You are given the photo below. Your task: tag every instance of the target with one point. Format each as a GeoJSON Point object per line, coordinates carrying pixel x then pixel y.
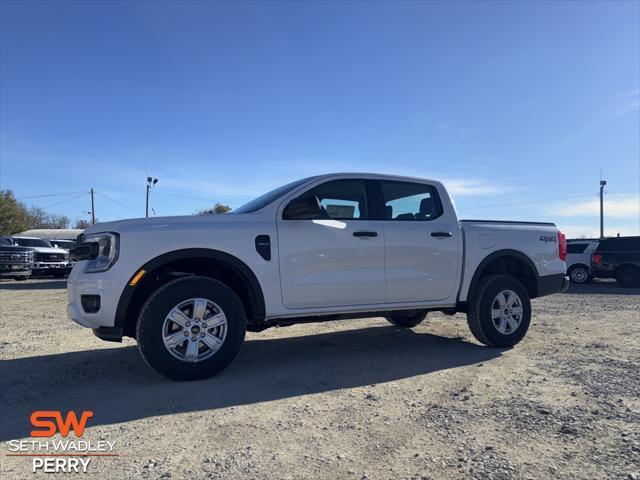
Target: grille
{"type": "Point", "coordinates": [16, 257]}
{"type": "Point", "coordinates": [50, 257]}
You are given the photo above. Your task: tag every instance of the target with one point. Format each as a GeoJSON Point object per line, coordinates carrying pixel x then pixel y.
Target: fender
{"type": "Point", "coordinates": [499, 254]}
{"type": "Point", "coordinates": [257, 298]}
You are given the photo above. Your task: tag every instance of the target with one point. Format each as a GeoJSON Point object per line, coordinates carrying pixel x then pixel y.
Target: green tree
{"type": "Point", "coordinates": [218, 208]}
{"type": "Point", "coordinates": [13, 214]}
{"type": "Point", "coordinates": [15, 217]}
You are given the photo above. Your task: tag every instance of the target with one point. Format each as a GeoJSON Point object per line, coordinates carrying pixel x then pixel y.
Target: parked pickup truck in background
{"type": "Point", "coordinates": [619, 258]}
{"type": "Point", "coordinates": [15, 262]}
{"type": "Point", "coordinates": [321, 248]}
{"type": "Point", "coordinates": [47, 260]}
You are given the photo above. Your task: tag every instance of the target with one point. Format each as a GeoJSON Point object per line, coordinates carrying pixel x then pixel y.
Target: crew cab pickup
{"type": "Point", "coordinates": [47, 260]}
{"type": "Point", "coordinates": [321, 248]}
{"type": "Point", "coordinates": [15, 262]}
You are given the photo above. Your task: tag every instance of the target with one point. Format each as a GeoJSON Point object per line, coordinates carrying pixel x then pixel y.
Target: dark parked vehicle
{"type": "Point", "coordinates": [15, 262]}
{"type": "Point", "coordinates": [618, 258]}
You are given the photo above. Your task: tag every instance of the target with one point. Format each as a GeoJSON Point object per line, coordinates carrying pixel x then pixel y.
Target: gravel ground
{"type": "Point", "coordinates": [356, 399]}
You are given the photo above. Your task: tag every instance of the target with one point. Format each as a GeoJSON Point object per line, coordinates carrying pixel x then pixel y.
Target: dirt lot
{"type": "Point", "coordinates": [355, 399]}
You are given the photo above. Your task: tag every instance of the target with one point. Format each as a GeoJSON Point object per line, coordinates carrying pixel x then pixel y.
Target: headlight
{"type": "Point", "coordinates": [104, 252]}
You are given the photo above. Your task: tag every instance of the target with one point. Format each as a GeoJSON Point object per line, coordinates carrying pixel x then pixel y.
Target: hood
{"type": "Point", "coordinates": [15, 248]}
{"type": "Point", "coordinates": [167, 223]}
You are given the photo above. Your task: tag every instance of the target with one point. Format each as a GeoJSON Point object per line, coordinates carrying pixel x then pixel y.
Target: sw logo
{"type": "Point", "coordinates": [50, 421]}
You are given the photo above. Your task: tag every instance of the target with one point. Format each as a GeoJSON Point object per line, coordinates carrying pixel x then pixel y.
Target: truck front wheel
{"type": "Point", "coordinates": [500, 311]}
{"type": "Point", "coordinates": [191, 328]}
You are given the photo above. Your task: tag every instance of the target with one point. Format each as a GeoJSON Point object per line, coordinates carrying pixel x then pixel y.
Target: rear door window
{"type": "Point", "coordinates": [408, 201]}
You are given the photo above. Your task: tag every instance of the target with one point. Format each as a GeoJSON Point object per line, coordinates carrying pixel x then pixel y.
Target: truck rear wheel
{"type": "Point", "coordinates": [628, 276]}
{"type": "Point", "coordinates": [191, 328]}
{"type": "Point", "coordinates": [500, 311]}
{"type": "Point", "coordinates": [407, 321]}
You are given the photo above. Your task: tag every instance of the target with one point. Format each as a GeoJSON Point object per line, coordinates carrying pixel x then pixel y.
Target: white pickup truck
{"type": "Point", "coordinates": [322, 248]}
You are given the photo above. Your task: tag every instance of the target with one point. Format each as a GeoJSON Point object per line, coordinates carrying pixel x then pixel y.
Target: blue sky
{"type": "Point", "coordinates": [515, 105]}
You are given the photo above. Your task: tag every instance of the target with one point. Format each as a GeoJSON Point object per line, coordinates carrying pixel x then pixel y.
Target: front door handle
{"type": "Point", "coordinates": [365, 234]}
{"type": "Point", "coordinates": [441, 234]}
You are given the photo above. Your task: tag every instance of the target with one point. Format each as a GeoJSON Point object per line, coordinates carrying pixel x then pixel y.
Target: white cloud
{"type": "Point", "coordinates": [470, 187]}
{"type": "Point", "coordinates": [615, 206]}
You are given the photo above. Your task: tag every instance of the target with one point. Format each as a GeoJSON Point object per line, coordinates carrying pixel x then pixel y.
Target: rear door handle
{"type": "Point", "coordinates": [365, 234]}
{"type": "Point", "coordinates": [441, 234]}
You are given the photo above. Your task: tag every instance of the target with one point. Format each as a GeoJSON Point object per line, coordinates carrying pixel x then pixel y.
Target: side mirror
{"type": "Point", "coordinates": [306, 207]}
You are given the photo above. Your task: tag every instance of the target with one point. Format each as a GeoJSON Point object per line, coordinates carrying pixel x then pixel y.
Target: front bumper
{"type": "Point", "coordinates": [550, 284]}
{"type": "Point", "coordinates": [15, 272]}
{"type": "Point", "coordinates": [52, 266]}
{"type": "Point", "coordinates": [106, 285]}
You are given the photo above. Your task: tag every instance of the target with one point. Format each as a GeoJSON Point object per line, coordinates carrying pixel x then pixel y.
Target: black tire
{"type": "Point", "coordinates": [20, 278]}
{"type": "Point", "coordinates": [407, 321]}
{"type": "Point", "coordinates": [149, 329]}
{"type": "Point", "coordinates": [59, 274]}
{"type": "Point", "coordinates": [579, 274]}
{"type": "Point", "coordinates": [628, 276]}
{"type": "Point", "coordinates": [480, 319]}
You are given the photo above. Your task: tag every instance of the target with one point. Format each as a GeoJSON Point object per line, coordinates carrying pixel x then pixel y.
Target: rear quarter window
{"type": "Point", "coordinates": [576, 248]}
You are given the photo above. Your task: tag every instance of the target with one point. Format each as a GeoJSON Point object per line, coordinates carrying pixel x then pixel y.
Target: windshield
{"type": "Point", "coordinates": [32, 242]}
{"type": "Point", "coordinates": [267, 198]}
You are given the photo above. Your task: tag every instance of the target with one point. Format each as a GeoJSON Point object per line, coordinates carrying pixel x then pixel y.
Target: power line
{"type": "Point", "coordinates": [117, 202]}
{"type": "Point", "coordinates": [50, 195]}
{"type": "Point", "coordinates": [66, 201]}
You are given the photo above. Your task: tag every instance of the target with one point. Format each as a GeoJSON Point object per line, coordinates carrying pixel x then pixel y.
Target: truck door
{"type": "Point", "coordinates": [337, 258]}
{"type": "Point", "coordinates": [421, 243]}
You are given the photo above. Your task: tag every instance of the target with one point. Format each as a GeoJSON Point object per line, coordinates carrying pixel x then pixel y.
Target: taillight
{"type": "Point", "coordinates": [562, 246]}
{"type": "Point", "coordinates": [596, 258]}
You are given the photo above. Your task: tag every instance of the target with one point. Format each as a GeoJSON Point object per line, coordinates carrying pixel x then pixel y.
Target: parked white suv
{"type": "Point", "coordinates": [322, 248]}
{"type": "Point", "coordinates": [579, 259]}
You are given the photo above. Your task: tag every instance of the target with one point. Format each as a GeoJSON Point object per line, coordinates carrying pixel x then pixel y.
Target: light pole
{"type": "Point", "coordinates": [150, 183]}
{"type": "Point", "coordinates": [93, 209]}
{"type": "Point", "coordinates": [602, 184]}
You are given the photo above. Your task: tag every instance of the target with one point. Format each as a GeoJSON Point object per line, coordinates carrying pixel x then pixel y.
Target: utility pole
{"type": "Point", "coordinates": [93, 209]}
{"type": "Point", "coordinates": [150, 183]}
{"type": "Point", "coordinates": [602, 184]}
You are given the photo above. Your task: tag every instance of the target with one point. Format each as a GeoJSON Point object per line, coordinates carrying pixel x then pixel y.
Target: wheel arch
{"type": "Point", "coordinates": [191, 261]}
{"type": "Point", "coordinates": [627, 264]}
{"type": "Point", "coordinates": [510, 262]}
{"type": "Point", "coordinates": [578, 264]}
